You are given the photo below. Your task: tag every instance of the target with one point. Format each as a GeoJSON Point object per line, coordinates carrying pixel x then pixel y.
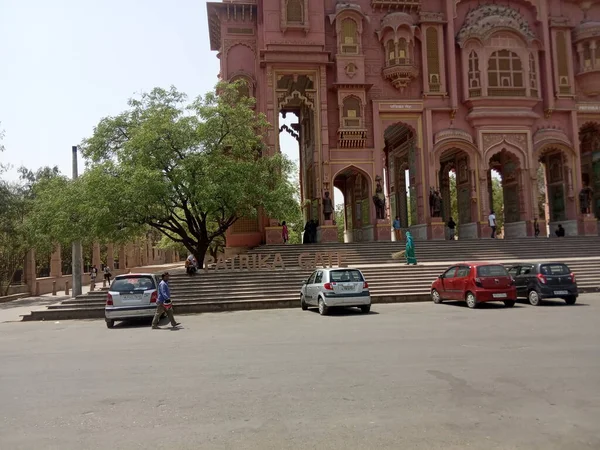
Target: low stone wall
{"type": "Point", "coordinates": [45, 285]}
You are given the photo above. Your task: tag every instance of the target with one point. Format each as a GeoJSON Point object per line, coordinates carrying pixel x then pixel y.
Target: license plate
{"type": "Point", "coordinates": [348, 288]}
{"type": "Point", "coordinates": [501, 295]}
{"type": "Point", "coordinates": [561, 292]}
{"type": "Point", "coordinates": [130, 298]}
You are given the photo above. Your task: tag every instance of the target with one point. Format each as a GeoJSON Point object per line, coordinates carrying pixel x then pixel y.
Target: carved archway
{"type": "Point", "coordinates": [511, 212]}
{"type": "Point", "coordinates": [457, 168]}
{"type": "Point", "coordinates": [589, 145]}
{"type": "Point", "coordinates": [401, 156]}
{"type": "Point", "coordinates": [356, 185]}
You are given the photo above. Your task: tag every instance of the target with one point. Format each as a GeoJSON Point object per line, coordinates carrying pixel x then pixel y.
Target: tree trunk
{"type": "Point", "coordinates": [199, 252]}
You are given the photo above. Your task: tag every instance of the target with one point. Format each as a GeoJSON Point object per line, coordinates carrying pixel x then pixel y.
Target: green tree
{"type": "Point", "coordinates": [340, 220]}
{"type": "Point", "coordinates": [453, 198]}
{"type": "Point", "coordinates": [187, 170]}
{"type": "Point", "coordinates": [498, 201]}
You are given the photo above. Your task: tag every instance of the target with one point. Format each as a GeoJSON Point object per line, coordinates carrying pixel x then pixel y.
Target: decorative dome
{"type": "Point", "coordinates": [484, 20]}
{"type": "Point", "coordinates": [345, 5]}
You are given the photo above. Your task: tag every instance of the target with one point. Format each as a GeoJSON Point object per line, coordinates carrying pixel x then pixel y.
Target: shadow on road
{"type": "Point", "coordinates": [29, 302]}
{"type": "Point", "coordinates": [544, 303]}
{"type": "Point", "coordinates": [485, 305]}
{"type": "Point", "coordinates": [343, 312]}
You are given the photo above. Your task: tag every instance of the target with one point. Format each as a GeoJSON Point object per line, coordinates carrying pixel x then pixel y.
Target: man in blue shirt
{"type": "Point", "coordinates": [397, 229]}
{"type": "Point", "coordinates": [163, 304]}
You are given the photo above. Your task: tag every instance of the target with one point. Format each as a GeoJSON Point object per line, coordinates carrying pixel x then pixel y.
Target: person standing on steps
{"type": "Point", "coordinates": [410, 250]}
{"type": "Point", "coordinates": [492, 221]}
{"type": "Point", "coordinates": [536, 227]}
{"type": "Point", "coordinates": [163, 304]}
{"type": "Point", "coordinates": [451, 227]}
{"type": "Point", "coordinates": [397, 229]}
{"type": "Point", "coordinates": [107, 274]}
{"type": "Point", "coordinates": [93, 275]}
{"type": "Point", "coordinates": [284, 232]}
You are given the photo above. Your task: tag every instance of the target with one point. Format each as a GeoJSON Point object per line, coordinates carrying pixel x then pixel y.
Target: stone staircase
{"type": "Point", "coordinates": [389, 280]}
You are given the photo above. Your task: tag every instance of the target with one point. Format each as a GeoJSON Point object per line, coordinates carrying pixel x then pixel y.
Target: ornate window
{"type": "Point", "coordinates": [533, 81]}
{"type": "Point", "coordinates": [351, 115]}
{"type": "Point", "coordinates": [587, 56]}
{"type": "Point", "coordinates": [403, 51]}
{"type": "Point", "coordinates": [349, 42]}
{"type": "Point", "coordinates": [564, 87]}
{"type": "Point", "coordinates": [294, 12]}
{"type": "Point", "coordinates": [474, 75]}
{"type": "Point", "coordinates": [505, 74]}
{"type": "Point", "coordinates": [391, 52]}
{"type": "Point", "coordinates": [433, 59]}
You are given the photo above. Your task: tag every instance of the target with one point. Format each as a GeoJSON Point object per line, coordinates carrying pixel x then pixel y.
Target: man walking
{"type": "Point", "coordinates": [452, 229]}
{"type": "Point", "coordinates": [163, 304]}
{"type": "Point", "coordinates": [492, 220]}
{"type": "Point", "coordinates": [397, 229]}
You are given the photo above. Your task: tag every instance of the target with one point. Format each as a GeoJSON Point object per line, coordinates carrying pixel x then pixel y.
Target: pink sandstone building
{"type": "Point", "coordinates": [392, 96]}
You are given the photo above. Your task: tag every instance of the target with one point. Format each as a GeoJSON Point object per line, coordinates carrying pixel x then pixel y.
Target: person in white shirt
{"type": "Point", "coordinates": [492, 220]}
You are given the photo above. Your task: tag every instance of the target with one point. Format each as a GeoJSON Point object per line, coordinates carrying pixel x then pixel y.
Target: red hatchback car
{"type": "Point", "coordinates": [475, 283]}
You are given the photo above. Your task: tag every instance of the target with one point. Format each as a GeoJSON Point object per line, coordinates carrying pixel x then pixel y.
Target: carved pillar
{"type": "Point", "coordinates": [110, 256]}
{"type": "Point", "coordinates": [56, 263]}
{"type": "Point", "coordinates": [96, 258]}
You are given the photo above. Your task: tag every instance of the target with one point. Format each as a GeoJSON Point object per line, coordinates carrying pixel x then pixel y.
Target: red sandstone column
{"type": "Point", "coordinates": [110, 256]}
{"type": "Point", "coordinates": [29, 271]}
{"type": "Point", "coordinates": [122, 257]}
{"type": "Point", "coordinates": [56, 263]}
{"type": "Point", "coordinates": [130, 256]}
{"type": "Point", "coordinates": [96, 258]}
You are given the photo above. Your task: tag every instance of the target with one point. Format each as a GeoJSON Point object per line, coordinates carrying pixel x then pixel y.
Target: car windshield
{"type": "Point", "coordinates": [554, 269]}
{"type": "Point", "coordinates": [492, 271]}
{"type": "Point", "coordinates": [345, 275]}
{"type": "Point", "coordinates": [133, 283]}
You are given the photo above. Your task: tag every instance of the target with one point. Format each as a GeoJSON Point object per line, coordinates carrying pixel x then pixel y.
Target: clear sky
{"type": "Point", "coordinates": [65, 64]}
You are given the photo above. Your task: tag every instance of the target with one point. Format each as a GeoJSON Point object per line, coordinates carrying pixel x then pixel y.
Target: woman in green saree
{"type": "Point", "coordinates": [410, 250]}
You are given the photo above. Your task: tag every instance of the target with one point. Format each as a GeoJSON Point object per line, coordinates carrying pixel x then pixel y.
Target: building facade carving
{"type": "Point", "coordinates": [379, 91]}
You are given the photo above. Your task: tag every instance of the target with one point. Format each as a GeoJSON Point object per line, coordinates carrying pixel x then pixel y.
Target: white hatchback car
{"type": "Point", "coordinates": [327, 288]}
{"type": "Point", "coordinates": [131, 296]}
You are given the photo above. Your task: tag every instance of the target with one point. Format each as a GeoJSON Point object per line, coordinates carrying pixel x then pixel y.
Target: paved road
{"type": "Point", "coordinates": [412, 376]}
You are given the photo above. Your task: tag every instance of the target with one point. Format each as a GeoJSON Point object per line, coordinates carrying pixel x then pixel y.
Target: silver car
{"type": "Point", "coordinates": [131, 296]}
{"type": "Point", "coordinates": [328, 288]}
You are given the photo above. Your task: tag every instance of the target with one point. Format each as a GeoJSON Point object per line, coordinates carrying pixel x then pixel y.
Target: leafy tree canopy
{"type": "Point", "coordinates": [187, 169]}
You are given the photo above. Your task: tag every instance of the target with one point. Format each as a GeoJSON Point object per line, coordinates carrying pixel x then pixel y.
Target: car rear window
{"type": "Point", "coordinates": [133, 283]}
{"type": "Point", "coordinates": [492, 271]}
{"type": "Point", "coordinates": [345, 275]}
{"type": "Point", "coordinates": [554, 269]}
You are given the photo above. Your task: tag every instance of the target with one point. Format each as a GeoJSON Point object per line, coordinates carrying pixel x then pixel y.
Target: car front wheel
{"type": "Point", "coordinates": [571, 300]}
{"type": "Point", "coordinates": [509, 303]}
{"type": "Point", "coordinates": [534, 298]}
{"type": "Point", "coordinates": [303, 303]}
{"type": "Point", "coordinates": [110, 323]}
{"type": "Point", "coordinates": [323, 309]}
{"type": "Point", "coordinates": [365, 309]}
{"type": "Point", "coordinates": [436, 297]}
{"type": "Point", "coordinates": [471, 301]}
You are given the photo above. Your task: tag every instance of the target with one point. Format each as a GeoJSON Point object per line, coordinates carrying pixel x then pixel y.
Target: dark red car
{"type": "Point", "coordinates": [475, 283]}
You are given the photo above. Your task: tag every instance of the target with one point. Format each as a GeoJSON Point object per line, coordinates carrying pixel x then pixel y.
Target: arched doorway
{"type": "Point", "coordinates": [401, 173]}
{"type": "Point", "coordinates": [456, 189]}
{"type": "Point", "coordinates": [589, 137]}
{"type": "Point", "coordinates": [553, 161]}
{"type": "Point", "coordinates": [356, 186]}
{"type": "Point", "coordinates": [505, 191]}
